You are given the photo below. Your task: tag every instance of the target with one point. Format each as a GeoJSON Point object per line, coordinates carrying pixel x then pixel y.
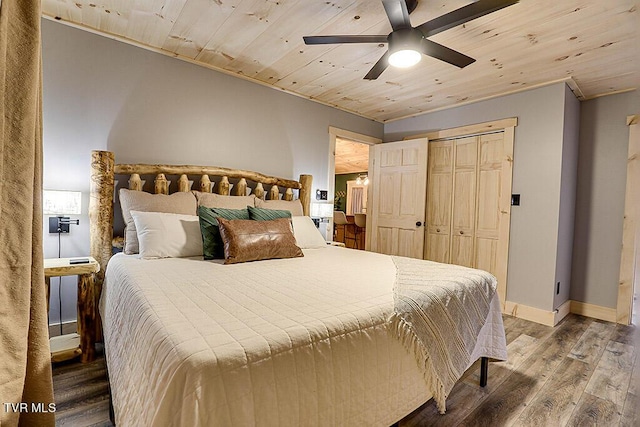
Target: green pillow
{"type": "Point", "coordinates": [212, 245]}
{"type": "Point", "coordinates": [260, 214]}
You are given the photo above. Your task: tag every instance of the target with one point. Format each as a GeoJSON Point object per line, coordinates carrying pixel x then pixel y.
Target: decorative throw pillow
{"type": "Point", "coordinates": [212, 200]}
{"type": "Point", "coordinates": [293, 206]}
{"type": "Point", "coordinates": [211, 241]}
{"type": "Point", "coordinates": [307, 234]}
{"type": "Point", "coordinates": [259, 214]}
{"type": "Point", "coordinates": [257, 240]}
{"type": "Point", "coordinates": [177, 203]}
{"type": "Point", "coordinates": [167, 235]}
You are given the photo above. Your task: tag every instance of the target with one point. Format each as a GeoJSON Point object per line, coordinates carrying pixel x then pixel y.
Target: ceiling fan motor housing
{"type": "Point", "coordinates": [406, 38]}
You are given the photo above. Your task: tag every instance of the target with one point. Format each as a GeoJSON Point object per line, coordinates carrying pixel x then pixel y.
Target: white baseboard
{"type": "Point", "coordinates": [67, 328]}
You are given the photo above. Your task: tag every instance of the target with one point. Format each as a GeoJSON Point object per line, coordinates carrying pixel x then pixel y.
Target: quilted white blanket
{"type": "Point", "coordinates": [301, 341]}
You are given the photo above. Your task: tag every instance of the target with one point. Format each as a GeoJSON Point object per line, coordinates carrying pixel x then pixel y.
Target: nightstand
{"type": "Point", "coordinates": [82, 343]}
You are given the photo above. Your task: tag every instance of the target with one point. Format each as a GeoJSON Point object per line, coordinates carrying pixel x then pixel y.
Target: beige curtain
{"type": "Point", "coordinates": [25, 368]}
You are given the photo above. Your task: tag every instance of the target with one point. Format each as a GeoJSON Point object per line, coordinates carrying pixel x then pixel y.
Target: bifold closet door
{"type": "Point", "coordinates": [439, 192]}
{"type": "Point", "coordinates": [465, 198]}
{"type": "Point", "coordinates": [469, 182]}
{"type": "Point", "coordinates": [490, 189]}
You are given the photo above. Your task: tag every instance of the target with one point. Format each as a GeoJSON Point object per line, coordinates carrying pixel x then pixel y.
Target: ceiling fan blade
{"type": "Point", "coordinates": [463, 15]}
{"type": "Point", "coordinates": [380, 66]}
{"type": "Point", "coordinates": [445, 54]}
{"type": "Point", "coordinates": [344, 39]}
{"type": "Point", "coordinates": [398, 13]}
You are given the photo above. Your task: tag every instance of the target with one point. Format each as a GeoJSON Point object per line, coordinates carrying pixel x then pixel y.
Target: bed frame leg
{"type": "Point", "coordinates": [484, 371]}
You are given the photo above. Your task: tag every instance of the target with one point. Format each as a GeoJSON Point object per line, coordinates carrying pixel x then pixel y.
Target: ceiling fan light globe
{"type": "Point", "coordinates": [405, 58]}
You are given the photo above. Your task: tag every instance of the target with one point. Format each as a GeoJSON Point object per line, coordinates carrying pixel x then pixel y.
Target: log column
{"type": "Point", "coordinates": [305, 193]}
{"type": "Point", "coordinates": [101, 219]}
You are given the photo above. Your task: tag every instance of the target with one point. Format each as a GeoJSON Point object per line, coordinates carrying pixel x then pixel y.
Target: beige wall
{"type": "Point", "coordinates": [147, 107]}
{"type": "Point", "coordinates": [536, 176]}
{"type": "Point", "coordinates": [602, 168]}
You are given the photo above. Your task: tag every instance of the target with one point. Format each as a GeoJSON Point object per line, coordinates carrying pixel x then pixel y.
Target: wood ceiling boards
{"type": "Point", "coordinates": [351, 157]}
{"type": "Point", "coordinates": [590, 43]}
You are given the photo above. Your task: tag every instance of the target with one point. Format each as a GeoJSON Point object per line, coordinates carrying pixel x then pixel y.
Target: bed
{"type": "Point", "coordinates": [309, 340]}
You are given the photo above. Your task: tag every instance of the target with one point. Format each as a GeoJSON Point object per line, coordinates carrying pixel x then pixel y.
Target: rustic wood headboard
{"type": "Point", "coordinates": [101, 203]}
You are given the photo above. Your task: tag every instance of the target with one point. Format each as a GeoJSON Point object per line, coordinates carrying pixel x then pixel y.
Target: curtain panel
{"type": "Point", "coordinates": [25, 369]}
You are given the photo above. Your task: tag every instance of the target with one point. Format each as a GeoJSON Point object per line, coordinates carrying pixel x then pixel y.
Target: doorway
{"type": "Point", "coordinates": [348, 178]}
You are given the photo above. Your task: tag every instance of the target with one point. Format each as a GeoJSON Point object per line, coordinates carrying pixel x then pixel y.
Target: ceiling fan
{"type": "Point", "coordinates": [407, 43]}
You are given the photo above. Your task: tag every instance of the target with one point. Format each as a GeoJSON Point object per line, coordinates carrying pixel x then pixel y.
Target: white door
{"type": "Point", "coordinates": [397, 197]}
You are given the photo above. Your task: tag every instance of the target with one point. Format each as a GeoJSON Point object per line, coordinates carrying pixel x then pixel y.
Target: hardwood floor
{"type": "Point", "coordinates": [583, 372]}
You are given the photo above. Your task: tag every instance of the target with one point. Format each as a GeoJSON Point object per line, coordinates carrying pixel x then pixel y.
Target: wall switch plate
{"type": "Point", "coordinates": [321, 194]}
{"type": "Point", "coordinates": [515, 200]}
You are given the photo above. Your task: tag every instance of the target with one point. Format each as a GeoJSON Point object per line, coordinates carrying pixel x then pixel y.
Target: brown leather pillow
{"type": "Point", "coordinates": [247, 240]}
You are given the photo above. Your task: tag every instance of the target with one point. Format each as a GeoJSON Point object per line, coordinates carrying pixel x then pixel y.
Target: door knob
{"type": "Point", "coordinates": [418, 224]}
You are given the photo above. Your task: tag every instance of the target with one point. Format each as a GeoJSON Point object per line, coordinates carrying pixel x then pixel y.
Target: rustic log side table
{"type": "Point", "coordinates": [82, 343]}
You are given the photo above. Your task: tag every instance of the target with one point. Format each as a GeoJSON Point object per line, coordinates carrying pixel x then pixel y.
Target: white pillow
{"type": "Point", "coordinates": [167, 235]}
{"type": "Point", "coordinates": [306, 234]}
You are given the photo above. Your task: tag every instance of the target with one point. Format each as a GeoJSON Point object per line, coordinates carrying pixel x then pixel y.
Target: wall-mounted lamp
{"type": "Point", "coordinates": [61, 203]}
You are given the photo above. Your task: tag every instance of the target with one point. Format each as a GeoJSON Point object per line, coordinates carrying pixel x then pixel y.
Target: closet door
{"type": "Point", "coordinates": [439, 198]}
{"type": "Point", "coordinates": [463, 229]}
{"type": "Point", "coordinates": [490, 190]}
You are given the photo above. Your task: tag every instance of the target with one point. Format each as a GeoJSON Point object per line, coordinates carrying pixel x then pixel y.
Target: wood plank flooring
{"type": "Point", "coordinates": [583, 372]}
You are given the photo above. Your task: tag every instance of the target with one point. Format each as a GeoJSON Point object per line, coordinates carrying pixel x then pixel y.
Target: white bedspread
{"type": "Point", "coordinates": [301, 341]}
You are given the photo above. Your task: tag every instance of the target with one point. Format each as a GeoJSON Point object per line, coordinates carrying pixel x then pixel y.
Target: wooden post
{"type": "Point", "coordinates": [135, 183]}
{"type": "Point", "coordinates": [101, 218]}
{"type": "Point", "coordinates": [259, 191]}
{"type": "Point", "coordinates": [288, 194]}
{"type": "Point", "coordinates": [87, 315]}
{"type": "Point", "coordinates": [274, 193]}
{"type": "Point", "coordinates": [223, 186]}
{"type": "Point", "coordinates": [205, 184]}
{"type": "Point", "coordinates": [305, 193]}
{"type": "Point", "coordinates": [161, 184]}
{"type": "Point", "coordinates": [183, 184]}
{"type": "Point", "coordinates": [240, 189]}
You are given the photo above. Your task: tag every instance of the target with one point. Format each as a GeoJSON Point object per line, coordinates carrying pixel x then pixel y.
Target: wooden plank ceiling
{"type": "Point", "coordinates": [351, 156]}
{"type": "Point", "coordinates": [591, 43]}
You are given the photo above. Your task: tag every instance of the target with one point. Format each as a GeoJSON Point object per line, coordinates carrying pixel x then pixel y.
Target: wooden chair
{"type": "Point", "coordinates": [360, 227]}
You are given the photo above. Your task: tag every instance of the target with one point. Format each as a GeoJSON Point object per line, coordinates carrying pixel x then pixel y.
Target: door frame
{"type": "Point", "coordinates": [630, 231]}
{"type": "Point", "coordinates": [334, 133]}
{"type": "Point", "coordinates": [508, 127]}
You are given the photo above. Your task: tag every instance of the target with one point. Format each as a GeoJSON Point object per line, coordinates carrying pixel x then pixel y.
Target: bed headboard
{"type": "Point", "coordinates": [104, 170]}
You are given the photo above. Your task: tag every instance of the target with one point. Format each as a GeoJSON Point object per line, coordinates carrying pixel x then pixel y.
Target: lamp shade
{"type": "Point", "coordinates": [60, 202]}
{"type": "Point", "coordinates": [321, 210]}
